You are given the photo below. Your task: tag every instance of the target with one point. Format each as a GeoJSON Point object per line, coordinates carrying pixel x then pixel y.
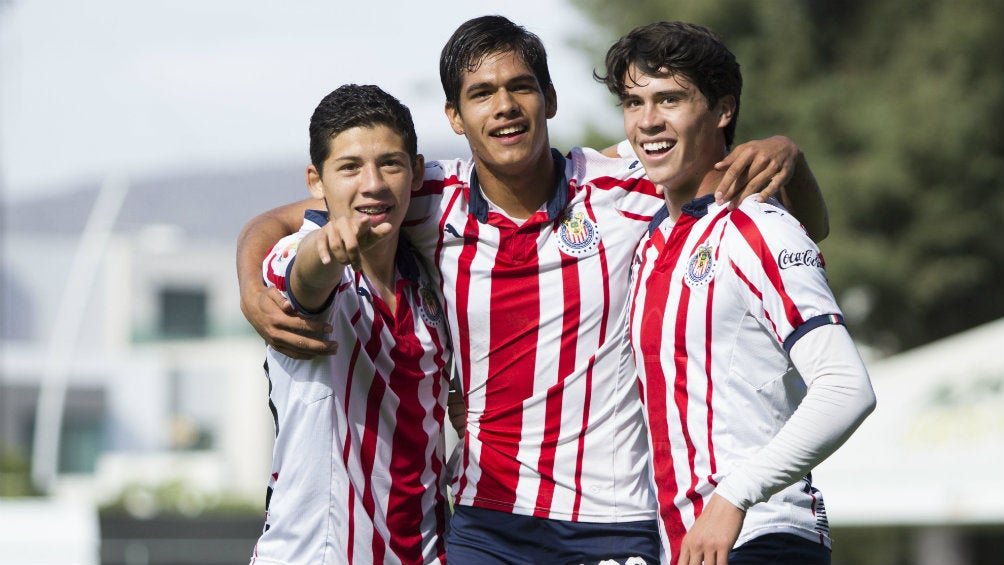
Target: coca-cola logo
{"type": "Point", "coordinates": [804, 258]}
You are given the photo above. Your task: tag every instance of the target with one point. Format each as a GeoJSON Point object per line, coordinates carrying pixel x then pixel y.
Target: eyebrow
{"type": "Point", "coordinates": [529, 77]}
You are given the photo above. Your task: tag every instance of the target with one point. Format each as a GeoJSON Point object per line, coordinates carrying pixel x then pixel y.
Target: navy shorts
{"type": "Point", "coordinates": [780, 549]}
{"type": "Point", "coordinates": [478, 536]}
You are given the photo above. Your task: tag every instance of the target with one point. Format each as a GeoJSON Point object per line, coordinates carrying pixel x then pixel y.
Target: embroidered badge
{"type": "Point", "coordinates": [429, 307]}
{"type": "Point", "coordinates": [700, 267]}
{"type": "Point", "coordinates": [577, 234]}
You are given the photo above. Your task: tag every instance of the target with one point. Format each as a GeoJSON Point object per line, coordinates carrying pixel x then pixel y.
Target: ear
{"type": "Point", "coordinates": [726, 110]}
{"type": "Point", "coordinates": [314, 182]}
{"type": "Point", "coordinates": [550, 101]}
{"type": "Point", "coordinates": [418, 173]}
{"type": "Point", "coordinates": [456, 121]}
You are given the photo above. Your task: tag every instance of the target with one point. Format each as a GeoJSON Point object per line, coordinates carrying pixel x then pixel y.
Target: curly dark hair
{"type": "Point", "coordinates": [665, 49]}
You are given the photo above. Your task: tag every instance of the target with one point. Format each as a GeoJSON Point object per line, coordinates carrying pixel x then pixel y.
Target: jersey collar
{"type": "Point", "coordinates": [555, 205]}
{"type": "Point", "coordinates": [698, 208]}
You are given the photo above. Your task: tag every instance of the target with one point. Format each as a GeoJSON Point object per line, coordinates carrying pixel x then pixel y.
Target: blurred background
{"type": "Point", "coordinates": [136, 138]}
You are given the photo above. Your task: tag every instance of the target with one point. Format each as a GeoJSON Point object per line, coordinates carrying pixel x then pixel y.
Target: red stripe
{"type": "Point", "coordinates": [656, 297]}
{"type": "Point", "coordinates": [748, 229]}
{"type": "Point", "coordinates": [709, 396]}
{"type": "Point", "coordinates": [278, 279]}
{"type": "Point", "coordinates": [682, 348]}
{"type": "Point", "coordinates": [555, 395]}
{"type": "Point", "coordinates": [408, 448]}
{"type": "Point", "coordinates": [515, 299]}
{"type": "Point", "coordinates": [368, 443]}
{"type": "Point", "coordinates": [347, 449]}
{"type": "Point", "coordinates": [639, 185]}
{"type": "Point", "coordinates": [462, 350]}
{"type": "Point", "coordinates": [588, 397]}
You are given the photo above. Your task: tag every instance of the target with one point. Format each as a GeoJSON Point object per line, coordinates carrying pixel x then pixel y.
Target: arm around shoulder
{"type": "Point", "coordinates": [804, 198]}
{"type": "Point", "coordinates": [265, 308]}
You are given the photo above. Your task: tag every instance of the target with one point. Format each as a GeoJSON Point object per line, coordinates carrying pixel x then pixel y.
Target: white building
{"type": "Point", "coordinates": [164, 380]}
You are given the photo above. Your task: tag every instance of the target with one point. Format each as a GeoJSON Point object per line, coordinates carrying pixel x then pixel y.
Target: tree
{"type": "Point", "coordinates": [898, 105]}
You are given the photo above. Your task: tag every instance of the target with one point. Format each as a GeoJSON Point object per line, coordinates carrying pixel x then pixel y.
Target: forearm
{"type": "Point", "coordinates": [803, 197]}
{"type": "Point", "coordinates": [838, 400]}
{"type": "Point", "coordinates": [258, 236]}
{"type": "Point", "coordinates": [312, 281]}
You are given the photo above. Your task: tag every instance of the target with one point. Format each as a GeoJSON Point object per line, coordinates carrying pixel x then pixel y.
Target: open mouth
{"type": "Point", "coordinates": [657, 147]}
{"type": "Point", "coordinates": [373, 210]}
{"type": "Point", "coordinates": [509, 132]}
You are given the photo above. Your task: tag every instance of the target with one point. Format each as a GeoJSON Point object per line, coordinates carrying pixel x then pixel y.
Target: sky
{"type": "Point", "coordinates": [89, 89]}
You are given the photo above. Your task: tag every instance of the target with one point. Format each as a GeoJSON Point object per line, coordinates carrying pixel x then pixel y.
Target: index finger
{"type": "Point", "coordinates": [729, 187]}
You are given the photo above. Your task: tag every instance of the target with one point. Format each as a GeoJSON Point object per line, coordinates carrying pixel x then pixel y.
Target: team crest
{"type": "Point", "coordinates": [577, 234]}
{"type": "Point", "coordinates": [429, 307]}
{"type": "Point", "coordinates": [700, 267]}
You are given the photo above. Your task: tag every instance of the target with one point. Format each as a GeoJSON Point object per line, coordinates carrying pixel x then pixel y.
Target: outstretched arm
{"type": "Point", "coordinates": [839, 398]}
{"type": "Point", "coordinates": [271, 315]}
{"type": "Point", "coordinates": [766, 166]}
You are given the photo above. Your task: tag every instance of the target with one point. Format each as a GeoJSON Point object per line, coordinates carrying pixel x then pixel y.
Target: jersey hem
{"type": "Point", "coordinates": [811, 535]}
{"type": "Point", "coordinates": [638, 516]}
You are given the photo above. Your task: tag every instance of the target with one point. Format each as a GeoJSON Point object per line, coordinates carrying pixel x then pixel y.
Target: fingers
{"type": "Point", "coordinates": [748, 172]}
{"type": "Point", "coordinates": [290, 334]}
{"type": "Point", "coordinates": [456, 409]}
{"type": "Point", "coordinates": [301, 345]}
{"type": "Point", "coordinates": [279, 300]}
{"type": "Point", "coordinates": [346, 238]}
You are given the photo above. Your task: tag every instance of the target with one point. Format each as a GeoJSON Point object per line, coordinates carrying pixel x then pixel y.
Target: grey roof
{"type": "Point", "coordinates": [212, 205]}
{"type": "Point", "coordinates": [206, 205]}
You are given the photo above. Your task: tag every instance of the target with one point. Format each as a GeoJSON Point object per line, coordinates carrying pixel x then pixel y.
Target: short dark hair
{"type": "Point", "coordinates": [475, 39]}
{"type": "Point", "coordinates": [353, 105]}
{"type": "Point", "coordinates": [665, 49]}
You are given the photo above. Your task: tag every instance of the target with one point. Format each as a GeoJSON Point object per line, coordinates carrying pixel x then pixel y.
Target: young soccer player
{"type": "Point", "coordinates": [532, 250]}
{"type": "Point", "coordinates": [749, 377]}
{"type": "Point", "coordinates": [358, 464]}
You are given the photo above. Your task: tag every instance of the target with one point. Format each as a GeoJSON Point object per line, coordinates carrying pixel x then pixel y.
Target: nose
{"type": "Point", "coordinates": [505, 103]}
{"type": "Point", "coordinates": [372, 180]}
{"type": "Point", "coordinates": [648, 118]}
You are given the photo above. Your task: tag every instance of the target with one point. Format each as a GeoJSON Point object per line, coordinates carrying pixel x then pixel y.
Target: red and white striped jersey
{"type": "Point", "coordinates": [537, 316]}
{"type": "Point", "coordinates": [358, 470]}
{"type": "Point", "coordinates": [719, 299]}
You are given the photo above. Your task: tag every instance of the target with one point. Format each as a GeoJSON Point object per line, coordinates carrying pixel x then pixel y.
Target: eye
{"type": "Point", "coordinates": [524, 87]}
{"type": "Point", "coordinates": [393, 164]}
{"type": "Point", "coordinates": [480, 94]}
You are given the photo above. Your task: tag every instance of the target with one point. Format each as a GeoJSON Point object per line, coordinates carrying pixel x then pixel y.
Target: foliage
{"type": "Point", "coordinates": [898, 106]}
{"type": "Point", "coordinates": [15, 474]}
{"type": "Point", "coordinates": [176, 498]}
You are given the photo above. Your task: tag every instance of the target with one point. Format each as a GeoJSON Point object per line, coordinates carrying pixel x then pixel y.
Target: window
{"type": "Point", "coordinates": [183, 313]}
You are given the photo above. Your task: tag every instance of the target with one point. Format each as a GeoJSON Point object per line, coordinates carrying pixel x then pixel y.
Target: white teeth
{"type": "Point", "coordinates": [508, 131]}
{"type": "Point", "coordinates": [657, 146]}
{"type": "Point", "coordinates": [374, 209]}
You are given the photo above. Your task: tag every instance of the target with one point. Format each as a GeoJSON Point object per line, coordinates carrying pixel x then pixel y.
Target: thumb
{"type": "Point", "coordinates": [381, 230]}
{"type": "Point", "coordinates": [369, 234]}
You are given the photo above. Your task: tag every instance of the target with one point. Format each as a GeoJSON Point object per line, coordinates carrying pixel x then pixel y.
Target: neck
{"type": "Point", "coordinates": [519, 193]}
{"type": "Point", "coordinates": [378, 261]}
{"type": "Point", "coordinates": [676, 199]}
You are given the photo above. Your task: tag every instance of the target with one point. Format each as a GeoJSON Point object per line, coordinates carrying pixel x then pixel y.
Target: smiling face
{"type": "Point", "coordinates": [503, 111]}
{"type": "Point", "coordinates": [368, 174]}
{"type": "Point", "coordinates": [673, 131]}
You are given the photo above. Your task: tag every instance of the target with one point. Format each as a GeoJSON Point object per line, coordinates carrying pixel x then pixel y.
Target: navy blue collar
{"type": "Point", "coordinates": [698, 208]}
{"type": "Point", "coordinates": [555, 204]}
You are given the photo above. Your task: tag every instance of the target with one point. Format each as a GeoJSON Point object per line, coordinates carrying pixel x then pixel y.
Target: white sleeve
{"type": "Point", "coordinates": [838, 399]}
{"type": "Point", "coordinates": [625, 150]}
